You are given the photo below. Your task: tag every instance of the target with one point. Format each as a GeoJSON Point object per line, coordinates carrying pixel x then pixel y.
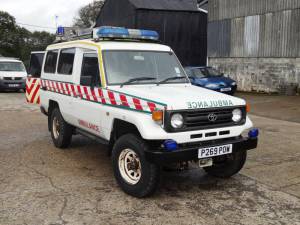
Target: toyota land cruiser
{"type": "Point", "coordinates": [126, 90]}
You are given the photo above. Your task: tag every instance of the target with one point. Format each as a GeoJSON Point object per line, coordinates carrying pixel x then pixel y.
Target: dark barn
{"type": "Point", "coordinates": [179, 23]}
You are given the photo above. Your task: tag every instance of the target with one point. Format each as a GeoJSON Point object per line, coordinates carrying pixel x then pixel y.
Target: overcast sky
{"type": "Point", "coordinates": [42, 12]}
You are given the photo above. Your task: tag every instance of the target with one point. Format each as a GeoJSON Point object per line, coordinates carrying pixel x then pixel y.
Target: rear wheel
{"type": "Point", "coordinates": [228, 165]}
{"type": "Point", "coordinates": [61, 131]}
{"type": "Point", "coordinates": [135, 175]}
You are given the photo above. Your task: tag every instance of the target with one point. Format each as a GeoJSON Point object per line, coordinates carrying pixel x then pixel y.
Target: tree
{"type": "Point", "coordinates": [16, 41]}
{"type": "Point", "coordinates": [87, 15]}
{"type": "Point", "coordinates": [8, 34]}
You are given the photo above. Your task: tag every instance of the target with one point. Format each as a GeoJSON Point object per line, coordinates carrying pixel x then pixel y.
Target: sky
{"type": "Point", "coordinates": [42, 12]}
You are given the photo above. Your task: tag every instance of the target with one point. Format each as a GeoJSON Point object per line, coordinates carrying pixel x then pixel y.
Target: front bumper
{"type": "Point", "coordinates": [191, 153]}
{"type": "Point", "coordinates": [12, 84]}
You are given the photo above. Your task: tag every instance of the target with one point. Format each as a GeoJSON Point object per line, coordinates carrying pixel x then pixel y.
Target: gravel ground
{"type": "Point", "coordinates": [40, 184]}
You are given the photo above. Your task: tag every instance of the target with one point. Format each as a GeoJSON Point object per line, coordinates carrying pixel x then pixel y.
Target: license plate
{"type": "Point", "coordinates": [226, 89]}
{"type": "Point", "coordinates": [13, 85]}
{"type": "Point", "coordinates": [214, 151]}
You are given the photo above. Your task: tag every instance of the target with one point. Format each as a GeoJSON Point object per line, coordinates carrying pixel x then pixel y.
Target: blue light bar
{"type": "Point", "coordinates": [123, 33]}
{"type": "Point", "coordinates": [60, 31]}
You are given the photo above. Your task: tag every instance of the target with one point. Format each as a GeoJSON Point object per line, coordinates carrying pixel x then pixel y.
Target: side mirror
{"type": "Point", "coordinates": [86, 80]}
{"type": "Point", "coordinates": [222, 74]}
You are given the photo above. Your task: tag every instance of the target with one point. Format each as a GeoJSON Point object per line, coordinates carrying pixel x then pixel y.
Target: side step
{"type": "Point", "coordinates": [91, 136]}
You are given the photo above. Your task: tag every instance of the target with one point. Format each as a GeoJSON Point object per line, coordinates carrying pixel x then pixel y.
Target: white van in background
{"type": "Point", "coordinates": [12, 74]}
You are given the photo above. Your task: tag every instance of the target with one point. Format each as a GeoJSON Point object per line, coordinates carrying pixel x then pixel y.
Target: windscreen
{"type": "Point", "coordinates": [12, 66]}
{"type": "Point", "coordinates": [122, 66]}
{"type": "Point", "coordinates": [205, 72]}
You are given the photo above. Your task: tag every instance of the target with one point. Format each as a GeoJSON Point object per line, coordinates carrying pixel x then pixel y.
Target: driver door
{"type": "Point", "coordinates": [87, 110]}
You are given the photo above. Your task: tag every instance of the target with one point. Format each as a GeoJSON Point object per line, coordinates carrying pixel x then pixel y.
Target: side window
{"type": "Point", "coordinates": [35, 66]}
{"type": "Point", "coordinates": [51, 60]}
{"type": "Point", "coordinates": [66, 61]}
{"type": "Point", "coordinates": [90, 75]}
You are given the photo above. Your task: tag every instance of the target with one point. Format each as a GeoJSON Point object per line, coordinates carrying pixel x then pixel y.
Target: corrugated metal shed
{"type": "Point", "coordinates": [219, 38]}
{"type": "Point", "coordinates": [223, 9]}
{"type": "Point", "coordinates": [268, 34]}
{"type": "Point", "coordinates": [177, 5]}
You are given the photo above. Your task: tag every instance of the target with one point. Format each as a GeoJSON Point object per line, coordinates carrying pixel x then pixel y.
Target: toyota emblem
{"type": "Point", "coordinates": [212, 117]}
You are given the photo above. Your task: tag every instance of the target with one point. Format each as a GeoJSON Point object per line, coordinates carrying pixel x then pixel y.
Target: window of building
{"type": "Point", "coordinates": [66, 61]}
{"type": "Point", "coordinates": [51, 60]}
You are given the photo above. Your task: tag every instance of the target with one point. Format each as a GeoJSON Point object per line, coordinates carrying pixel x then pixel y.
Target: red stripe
{"type": "Point", "coordinates": [124, 100]}
{"type": "Point", "coordinates": [94, 95]}
{"type": "Point", "coordinates": [152, 106]}
{"type": "Point", "coordinates": [112, 98]}
{"type": "Point", "coordinates": [102, 96]}
{"type": "Point", "coordinates": [79, 91]}
{"type": "Point", "coordinates": [51, 85]}
{"type": "Point", "coordinates": [61, 87]}
{"type": "Point", "coordinates": [137, 104]}
{"type": "Point", "coordinates": [86, 93]}
{"type": "Point", "coordinates": [73, 89]}
{"type": "Point", "coordinates": [29, 88]}
{"type": "Point", "coordinates": [68, 89]}
{"type": "Point", "coordinates": [56, 86]}
{"type": "Point", "coordinates": [34, 94]}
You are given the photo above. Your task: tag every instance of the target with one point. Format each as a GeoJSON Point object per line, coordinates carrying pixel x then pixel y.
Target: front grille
{"type": "Point", "coordinates": [199, 119]}
{"type": "Point", "coordinates": [12, 78]}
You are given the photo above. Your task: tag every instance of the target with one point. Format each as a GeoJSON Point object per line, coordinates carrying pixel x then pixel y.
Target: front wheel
{"type": "Point", "coordinates": [228, 165]}
{"type": "Point", "coordinates": [134, 174]}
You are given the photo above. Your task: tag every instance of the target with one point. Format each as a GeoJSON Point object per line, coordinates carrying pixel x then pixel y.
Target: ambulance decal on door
{"type": "Point", "coordinates": [33, 82]}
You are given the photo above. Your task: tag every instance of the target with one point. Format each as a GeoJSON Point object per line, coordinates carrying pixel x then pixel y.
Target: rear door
{"type": "Point", "coordinates": [33, 81]}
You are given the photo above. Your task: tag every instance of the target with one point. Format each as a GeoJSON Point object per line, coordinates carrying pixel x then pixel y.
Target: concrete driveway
{"type": "Point", "coordinates": [40, 184]}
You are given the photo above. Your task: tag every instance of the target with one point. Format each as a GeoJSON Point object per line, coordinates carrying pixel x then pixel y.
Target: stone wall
{"type": "Point", "coordinates": [260, 74]}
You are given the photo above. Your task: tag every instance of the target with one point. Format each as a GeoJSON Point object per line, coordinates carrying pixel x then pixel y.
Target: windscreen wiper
{"type": "Point", "coordinates": [137, 79]}
{"type": "Point", "coordinates": [171, 78]}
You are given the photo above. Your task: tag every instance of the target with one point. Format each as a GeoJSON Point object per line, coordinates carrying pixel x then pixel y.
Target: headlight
{"type": "Point", "coordinates": [177, 121]}
{"type": "Point", "coordinates": [24, 78]}
{"type": "Point", "coordinates": [1, 78]}
{"type": "Point", "coordinates": [212, 86]}
{"type": "Point", "coordinates": [237, 115]}
{"type": "Point", "coordinates": [233, 83]}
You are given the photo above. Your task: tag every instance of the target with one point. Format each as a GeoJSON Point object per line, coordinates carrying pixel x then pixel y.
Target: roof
{"type": "Point", "coordinates": [9, 59]}
{"type": "Point", "coordinates": [170, 5]}
{"type": "Point", "coordinates": [111, 45]}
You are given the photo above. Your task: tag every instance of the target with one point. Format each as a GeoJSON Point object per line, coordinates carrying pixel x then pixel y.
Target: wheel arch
{"type": "Point", "coordinates": [120, 128]}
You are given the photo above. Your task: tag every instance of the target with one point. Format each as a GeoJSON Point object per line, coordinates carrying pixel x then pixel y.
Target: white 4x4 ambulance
{"type": "Point", "coordinates": [124, 89]}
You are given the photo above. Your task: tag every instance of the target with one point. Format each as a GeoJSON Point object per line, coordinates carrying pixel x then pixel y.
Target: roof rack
{"type": "Point", "coordinates": [105, 33]}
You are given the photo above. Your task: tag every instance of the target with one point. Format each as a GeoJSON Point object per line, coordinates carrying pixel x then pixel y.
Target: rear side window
{"type": "Point", "coordinates": [90, 68]}
{"type": "Point", "coordinates": [66, 61]}
{"type": "Point", "coordinates": [51, 60]}
{"type": "Point", "coordinates": [36, 61]}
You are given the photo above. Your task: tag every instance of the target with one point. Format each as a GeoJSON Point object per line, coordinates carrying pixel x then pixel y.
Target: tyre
{"type": "Point", "coordinates": [134, 174]}
{"type": "Point", "coordinates": [61, 131]}
{"type": "Point", "coordinates": [227, 166]}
